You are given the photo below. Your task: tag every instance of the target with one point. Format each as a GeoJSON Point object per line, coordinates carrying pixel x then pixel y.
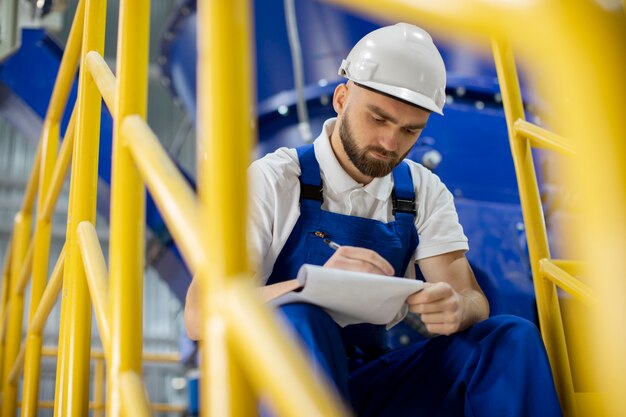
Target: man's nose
{"type": "Point", "coordinates": [388, 140]}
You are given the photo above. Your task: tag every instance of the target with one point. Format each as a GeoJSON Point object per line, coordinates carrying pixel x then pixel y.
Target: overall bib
{"type": "Point", "coordinates": [463, 374]}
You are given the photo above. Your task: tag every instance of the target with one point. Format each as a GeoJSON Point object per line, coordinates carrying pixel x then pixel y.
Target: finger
{"type": "Point", "coordinates": [349, 264]}
{"type": "Point", "coordinates": [440, 318]}
{"type": "Point", "coordinates": [442, 329]}
{"type": "Point", "coordinates": [367, 255]}
{"type": "Point", "coordinates": [435, 307]}
{"type": "Point", "coordinates": [430, 293]}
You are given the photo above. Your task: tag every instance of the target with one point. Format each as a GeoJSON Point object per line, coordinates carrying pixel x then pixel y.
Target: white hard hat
{"type": "Point", "coordinates": [401, 61]}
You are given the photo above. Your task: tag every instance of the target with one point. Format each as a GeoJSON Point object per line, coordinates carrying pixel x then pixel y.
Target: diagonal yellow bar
{"type": "Point", "coordinates": [171, 192]}
{"type": "Point", "coordinates": [27, 269]}
{"type": "Point", "coordinates": [60, 170]}
{"type": "Point", "coordinates": [96, 272]}
{"type": "Point", "coordinates": [72, 383]}
{"type": "Point", "coordinates": [568, 283]}
{"type": "Point", "coordinates": [104, 79]}
{"type": "Point", "coordinates": [48, 300]}
{"type": "Point", "coordinates": [575, 268]}
{"type": "Point", "coordinates": [542, 138]}
{"type": "Point", "coordinates": [28, 202]}
{"type": "Point", "coordinates": [251, 324]}
{"type": "Point", "coordinates": [126, 250]}
{"type": "Point", "coordinates": [18, 365]}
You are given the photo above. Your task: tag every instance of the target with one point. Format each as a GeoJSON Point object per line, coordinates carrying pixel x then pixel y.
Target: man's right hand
{"type": "Point", "coordinates": [352, 258]}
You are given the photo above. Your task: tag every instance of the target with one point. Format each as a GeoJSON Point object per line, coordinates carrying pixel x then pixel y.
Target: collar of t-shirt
{"type": "Point", "coordinates": [336, 178]}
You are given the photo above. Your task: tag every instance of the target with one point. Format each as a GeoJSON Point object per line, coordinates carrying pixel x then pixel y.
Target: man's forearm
{"type": "Point", "coordinates": [475, 307]}
{"type": "Point", "coordinates": [269, 292]}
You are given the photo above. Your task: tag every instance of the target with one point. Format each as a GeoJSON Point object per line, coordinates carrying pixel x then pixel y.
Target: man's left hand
{"type": "Point", "coordinates": [440, 307]}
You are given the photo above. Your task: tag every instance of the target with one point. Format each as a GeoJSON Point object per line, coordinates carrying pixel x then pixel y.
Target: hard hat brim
{"type": "Point", "coordinates": [404, 94]}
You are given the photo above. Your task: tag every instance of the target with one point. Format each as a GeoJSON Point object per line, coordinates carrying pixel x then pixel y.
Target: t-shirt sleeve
{"type": "Point", "coordinates": [273, 182]}
{"type": "Point", "coordinates": [437, 221]}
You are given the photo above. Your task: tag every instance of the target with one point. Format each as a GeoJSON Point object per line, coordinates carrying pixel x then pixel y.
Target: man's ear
{"type": "Point", "coordinates": [340, 97]}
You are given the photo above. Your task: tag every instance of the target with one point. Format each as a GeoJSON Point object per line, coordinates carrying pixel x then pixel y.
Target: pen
{"type": "Point", "coordinates": [330, 243]}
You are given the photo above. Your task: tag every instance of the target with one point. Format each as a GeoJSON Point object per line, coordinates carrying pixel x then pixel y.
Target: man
{"type": "Point", "coordinates": [388, 215]}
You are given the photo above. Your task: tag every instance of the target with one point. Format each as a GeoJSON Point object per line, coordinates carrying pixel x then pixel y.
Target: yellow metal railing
{"type": "Point", "coordinates": [548, 274]}
{"type": "Point", "coordinates": [81, 271]}
{"type": "Point", "coordinates": [590, 66]}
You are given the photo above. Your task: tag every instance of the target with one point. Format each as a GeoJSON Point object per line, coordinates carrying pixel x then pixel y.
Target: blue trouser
{"type": "Point", "coordinates": [495, 368]}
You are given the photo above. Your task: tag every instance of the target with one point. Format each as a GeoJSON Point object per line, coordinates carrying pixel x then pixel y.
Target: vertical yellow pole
{"type": "Point", "coordinates": [547, 299]}
{"type": "Point", "coordinates": [49, 145]}
{"type": "Point", "coordinates": [72, 383]}
{"type": "Point", "coordinates": [226, 130]}
{"type": "Point", "coordinates": [42, 235]}
{"type": "Point", "coordinates": [98, 387]}
{"type": "Point", "coordinates": [4, 299]}
{"type": "Point", "coordinates": [127, 203]}
{"type": "Point", "coordinates": [16, 312]}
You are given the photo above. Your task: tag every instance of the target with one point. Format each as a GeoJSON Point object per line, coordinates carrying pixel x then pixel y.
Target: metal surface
{"type": "Point", "coordinates": [547, 299]}
{"type": "Point", "coordinates": [96, 273]}
{"type": "Point", "coordinates": [175, 199]}
{"type": "Point", "coordinates": [19, 244]}
{"type": "Point", "coordinates": [126, 246]}
{"type": "Point", "coordinates": [72, 384]}
{"type": "Point", "coordinates": [104, 78]}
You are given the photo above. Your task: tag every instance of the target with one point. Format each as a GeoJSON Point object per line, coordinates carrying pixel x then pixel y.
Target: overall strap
{"type": "Point", "coordinates": [310, 179]}
{"type": "Point", "coordinates": [403, 194]}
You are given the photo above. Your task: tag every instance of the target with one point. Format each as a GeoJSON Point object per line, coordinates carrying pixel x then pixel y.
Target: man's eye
{"type": "Point", "coordinates": [378, 119]}
{"type": "Point", "coordinates": [411, 131]}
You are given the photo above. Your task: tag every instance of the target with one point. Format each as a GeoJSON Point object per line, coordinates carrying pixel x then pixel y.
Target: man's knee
{"type": "Point", "coordinates": [508, 330]}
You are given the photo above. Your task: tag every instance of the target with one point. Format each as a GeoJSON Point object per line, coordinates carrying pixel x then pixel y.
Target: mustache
{"type": "Point", "coordinates": [384, 152]}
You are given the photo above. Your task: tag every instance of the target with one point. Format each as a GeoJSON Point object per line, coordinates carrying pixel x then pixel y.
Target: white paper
{"type": "Point", "coordinates": [352, 297]}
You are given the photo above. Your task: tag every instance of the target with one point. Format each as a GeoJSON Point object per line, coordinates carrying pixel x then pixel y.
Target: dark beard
{"type": "Point", "coordinates": [366, 165]}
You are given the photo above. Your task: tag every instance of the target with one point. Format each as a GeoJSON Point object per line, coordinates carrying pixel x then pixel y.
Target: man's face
{"type": "Point", "coordinates": [379, 166]}
{"type": "Point", "coordinates": [376, 131]}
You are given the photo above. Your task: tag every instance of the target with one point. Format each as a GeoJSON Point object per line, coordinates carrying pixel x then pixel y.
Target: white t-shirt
{"type": "Point", "coordinates": [275, 208]}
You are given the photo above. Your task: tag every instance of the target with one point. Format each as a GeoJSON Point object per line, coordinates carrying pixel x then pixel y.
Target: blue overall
{"type": "Point", "coordinates": [495, 368]}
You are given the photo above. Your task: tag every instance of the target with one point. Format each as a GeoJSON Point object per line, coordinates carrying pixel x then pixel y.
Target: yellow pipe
{"type": "Point", "coordinates": [96, 271]}
{"type": "Point", "coordinates": [28, 201]}
{"type": "Point", "coordinates": [251, 324]}
{"type": "Point", "coordinates": [575, 268]}
{"type": "Point", "coordinates": [568, 283]}
{"type": "Point", "coordinates": [72, 382]}
{"type": "Point", "coordinates": [542, 138]}
{"type": "Point", "coordinates": [104, 79]}
{"type": "Point", "coordinates": [17, 367]}
{"type": "Point", "coordinates": [67, 69]}
{"type": "Point", "coordinates": [168, 408]}
{"type": "Point", "coordinates": [21, 233]}
{"type": "Point", "coordinates": [126, 250]}
{"type": "Point", "coordinates": [225, 133]}
{"type": "Point", "coordinates": [27, 268]}
{"type": "Point", "coordinates": [171, 192]}
{"type": "Point", "coordinates": [48, 300]}
{"type": "Point", "coordinates": [42, 235]}
{"type": "Point", "coordinates": [60, 171]}
{"type": "Point", "coordinates": [4, 306]}
{"type": "Point", "coordinates": [134, 398]}
{"type": "Point", "coordinates": [98, 354]}
{"type": "Point", "coordinates": [550, 320]}
{"type": "Point", "coordinates": [98, 388]}
{"type": "Point", "coordinates": [98, 409]}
